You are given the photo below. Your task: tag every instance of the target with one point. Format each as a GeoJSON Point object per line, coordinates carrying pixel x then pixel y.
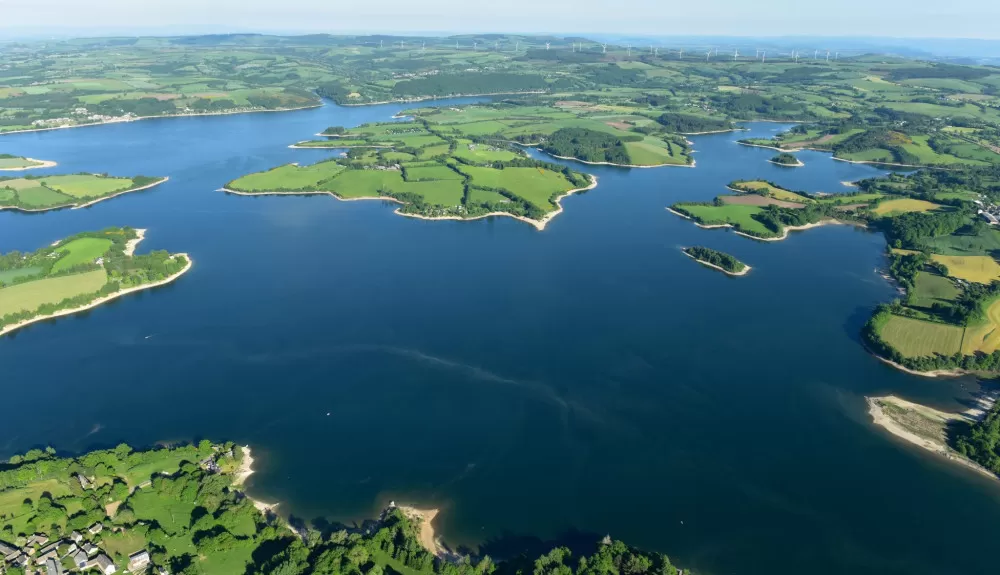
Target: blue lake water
{"type": "Point", "coordinates": [588, 377]}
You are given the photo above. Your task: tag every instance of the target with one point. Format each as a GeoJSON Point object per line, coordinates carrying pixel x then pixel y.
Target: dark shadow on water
{"type": "Point", "coordinates": [855, 321]}
{"type": "Point", "coordinates": [510, 546]}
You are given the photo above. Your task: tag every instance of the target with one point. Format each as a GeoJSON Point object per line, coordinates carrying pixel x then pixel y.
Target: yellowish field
{"type": "Point", "coordinates": [904, 205]}
{"type": "Point", "coordinates": [980, 269]}
{"type": "Point", "coordinates": [29, 296]}
{"type": "Point", "coordinates": [985, 337]}
{"type": "Point", "coordinates": [775, 192]}
{"type": "Point", "coordinates": [917, 338]}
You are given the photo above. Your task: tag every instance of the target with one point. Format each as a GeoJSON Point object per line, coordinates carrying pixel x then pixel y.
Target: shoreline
{"type": "Point", "coordinates": [798, 165]}
{"type": "Point", "coordinates": [425, 519]}
{"type": "Point", "coordinates": [539, 224]}
{"type": "Point", "coordinates": [784, 234]}
{"type": "Point", "coordinates": [571, 158]}
{"type": "Point", "coordinates": [935, 373]}
{"type": "Point", "coordinates": [44, 164]}
{"type": "Point", "coordinates": [881, 419]}
{"type": "Point", "coordinates": [85, 205]}
{"type": "Point", "coordinates": [429, 98]}
{"type": "Point", "coordinates": [140, 234]}
{"type": "Point", "coordinates": [296, 146]}
{"type": "Point", "coordinates": [139, 118]}
{"type": "Point", "coordinates": [746, 269]}
{"type": "Point", "coordinates": [714, 132]}
{"type": "Point", "coordinates": [102, 300]}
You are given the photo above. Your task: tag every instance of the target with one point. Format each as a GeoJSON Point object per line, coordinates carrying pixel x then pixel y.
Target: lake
{"type": "Point", "coordinates": [536, 386]}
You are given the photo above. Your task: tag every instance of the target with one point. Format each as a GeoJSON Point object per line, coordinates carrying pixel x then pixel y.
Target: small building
{"type": "Point", "coordinates": [90, 549]}
{"type": "Point", "coordinates": [80, 559]}
{"type": "Point", "coordinates": [96, 528]}
{"type": "Point", "coordinates": [104, 564]}
{"type": "Point", "coordinates": [138, 561]}
{"type": "Point", "coordinates": [20, 561]}
{"type": "Point", "coordinates": [6, 549]}
{"type": "Point", "coordinates": [76, 536]}
{"type": "Point", "coordinates": [53, 567]}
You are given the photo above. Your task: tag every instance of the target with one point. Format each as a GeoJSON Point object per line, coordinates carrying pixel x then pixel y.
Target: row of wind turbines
{"type": "Point", "coordinates": [653, 51]}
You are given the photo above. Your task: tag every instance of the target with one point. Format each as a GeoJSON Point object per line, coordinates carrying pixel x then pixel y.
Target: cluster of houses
{"type": "Point", "coordinates": [989, 212]}
{"type": "Point", "coordinates": [40, 556]}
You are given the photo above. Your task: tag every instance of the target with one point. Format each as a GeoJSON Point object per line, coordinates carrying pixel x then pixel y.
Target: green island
{"type": "Point", "coordinates": [970, 438]}
{"type": "Point", "coordinates": [721, 261]}
{"type": "Point", "coordinates": [786, 159]}
{"type": "Point", "coordinates": [78, 273]}
{"type": "Point", "coordinates": [431, 176]}
{"type": "Point", "coordinates": [43, 193]}
{"type": "Point", "coordinates": [182, 510]}
{"type": "Point", "coordinates": [9, 163]}
{"type": "Point", "coordinates": [589, 133]}
{"type": "Point", "coordinates": [765, 211]}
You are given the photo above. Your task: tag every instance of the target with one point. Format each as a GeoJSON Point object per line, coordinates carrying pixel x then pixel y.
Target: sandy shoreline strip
{"type": "Point", "coordinates": [140, 234]}
{"type": "Point", "coordinates": [784, 233]}
{"type": "Point", "coordinates": [539, 224]}
{"type": "Point", "coordinates": [425, 519]}
{"type": "Point", "coordinates": [139, 118]}
{"type": "Point", "coordinates": [745, 271]}
{"type": "Point", "coordinates": [102, 300]}
{"type": "Point", "coordinates": [42, 164]}
{"type": "Point", "coordinates": [881, 419]}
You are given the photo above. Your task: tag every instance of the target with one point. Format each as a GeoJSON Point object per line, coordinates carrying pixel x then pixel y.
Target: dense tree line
{"type": "Point", "coordinates": [452, 84]}
{"type": "Point", "coordinates": [938, 71]}
{"type": "Point", "coordinates": [906, 230]}
{"type": "Point", "coordinates": [745, 106]}
{"type": "Point", "coordinates": [785, 159]}
{"type": "Point", "coordinates": [690, 124]}
{"type": "Point", "coordinates": [589, 145]}
{"type": "Point", "coordinates": [716, 258]}
{"type": "Point", "coordinates": [980, 442]}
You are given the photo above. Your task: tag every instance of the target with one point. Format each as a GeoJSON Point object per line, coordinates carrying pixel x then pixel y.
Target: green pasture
{"type": "Point", "coordinates": [535, 185]}
{"type": "Point", "coordinates": [288, 177]}
{"type": "Point", "coordinates": [80, 251]}
{"type": "Point", "coordinates": [737, 215]}
{"type": "Point", "coordinates": [86, 185]}
{"type": "Point", "coordinates": [30, 295]}
{"type": "Point", "coordinates": [917, 338]}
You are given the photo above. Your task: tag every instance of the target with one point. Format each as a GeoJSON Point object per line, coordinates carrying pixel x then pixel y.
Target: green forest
{"type": "Point", "coordinates": [716, 258]}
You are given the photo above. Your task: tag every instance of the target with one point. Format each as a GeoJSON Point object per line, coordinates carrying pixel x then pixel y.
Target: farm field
{"type": "Point", "coordinates": [739, 216]}
{"type": "Point", "coordinates": [288, 177]}
{"type": "Point", "coordinates": [931, 288]}
{"type": "Point", "coordinates": [534, 185]}
{"type": "Point", "coordinates": [984, 337]}
{"type": "Point", "coordinates": [776, 192]}
{"type": "Point", "coordinates": [981, 269]}
{"type": "Point", "coordinates": [80, 251]}
{"type": "Point", "coordinates": [917, 338]}
{"type": "Point", "coordinates": [8, 162]}
{"type": "Point", "coordinates": [904, 205]}
{"type": "Point", "coordinates": [53, 192]}
{"type": "Point", "coordinates": [986, 242]}
{"type": "Point", "coordinates": [30, 295]}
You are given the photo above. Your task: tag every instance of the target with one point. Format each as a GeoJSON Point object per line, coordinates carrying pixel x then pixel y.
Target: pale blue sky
{"type": "Point", "coordinates": [900, 18]}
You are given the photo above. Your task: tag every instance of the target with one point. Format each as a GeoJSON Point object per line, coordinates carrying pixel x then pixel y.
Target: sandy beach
{"type": "Point", "coordinates": [42, 164]}
{"type": "Point", "coordinates": [140, 234]}
{"type": "Point", "coordinates": [746, 269]}
{"type": "Point", "coordinates": [425, 519]}
{"type": "Point", "coordinates": [101, 300]}
{"type": "Point", "coordinates": [924, 418]}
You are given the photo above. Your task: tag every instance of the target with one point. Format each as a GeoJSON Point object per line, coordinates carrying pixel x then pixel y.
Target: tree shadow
{"type": "Point", "coordinates": [510, 545]}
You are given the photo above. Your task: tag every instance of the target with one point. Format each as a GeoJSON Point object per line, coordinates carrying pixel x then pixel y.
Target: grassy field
{"type": "Point", "coordinates": [59, 191]}
{"type": "Point", "coordinates": [981, 269]}
{"type": "Point", "coordinates": [535, 185]}
{"type": "Point", "coordinates": [984, 337]}
{"type": "Point", "coordinates": [732, 214]}
{"type": "Point", "coordinates": [17, 163]}
{"type": "Point", "coordinates": [288, 177]}
{"type": "Point", "coordinates": [931, 288]}
{"type": "Point", "coordinates": [917, 338]}
{"type": "Point", "coordinates": [985, 243]}
{"type": "Point", "coordinates": [80, 251]}
{"type": "Point", "coordinates": [479, 153]}
{"type": "Point", "coordinates": [10, 275]}
{"type": "Point", "coordinates": [904, 205]}
{"type": "Point", "coordinates": [86, 185]}
{"type": "Point", "coordinates": [773, 191]}
{"type": "Point", "coordinates": [29, 296]}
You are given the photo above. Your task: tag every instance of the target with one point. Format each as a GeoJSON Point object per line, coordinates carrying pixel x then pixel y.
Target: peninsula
{"type": "Point", "coordinates": [183, 509]}
{"type": "Point", "coordinates": [79, 273]}
{"type": "Point", "coordinates": [43, 193]}
{"type": "Point", "coordinates": [9, 163]}
{"type": "Point", "coordinates": [431, 176]}
{"type": "Point", "coordinates": [721, 261]}
{"type": "Point", "coordinates": [970, 438]}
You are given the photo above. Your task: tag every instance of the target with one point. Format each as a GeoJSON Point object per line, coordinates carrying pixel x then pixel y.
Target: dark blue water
{"type": "Point", "coordinates": [586, 377]}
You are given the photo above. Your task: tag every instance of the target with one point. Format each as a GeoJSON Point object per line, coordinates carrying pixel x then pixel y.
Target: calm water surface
{"type": "Point", "coordinates": [587, 377]}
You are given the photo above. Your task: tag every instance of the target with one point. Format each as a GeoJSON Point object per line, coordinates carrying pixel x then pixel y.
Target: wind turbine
{"type": "Point", "coordinates": [604, 48]}
{"type": "Point", "coordinates": [496, 46]}
{"type": "Point", "coordinates": [796, 56]}
{"type": "Point", "coordinates": [380, 44]}
{"type": "Point", "coordinates": [401, 43]}
{"type": "Point", "coordinates": [758, 54]}
{"type": "Point", "coordinates": [656, 52]}
{"type": "Point", "coordinates": [547, 44]}
{"type": "Point", "coordinates": [423, 46]}
{"type": "Point", "coordinates": [816, 55]}
{"type": "Point", "coordinates": [629, 48]}
{"type": "Point", "coordinates": [827, 55]}
{"type": "Point", "coordinates": [680, 55]}
{"type": "Point", "coordinates": [736, 54]}
{"type": "Point", "coordinates": [836, 56]}
{"type": "Point", "coordinates": [516, 45]}
{"type": "Point", "coordinates": [708, 55]}
{"type": "Point", "coordinates": [763, 56]}
{"type": "Point", "coordinates": [475, 46]}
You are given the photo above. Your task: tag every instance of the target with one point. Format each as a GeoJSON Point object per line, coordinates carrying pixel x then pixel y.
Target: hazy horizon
{"type": "Point", "coordinates": [963, 19]}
